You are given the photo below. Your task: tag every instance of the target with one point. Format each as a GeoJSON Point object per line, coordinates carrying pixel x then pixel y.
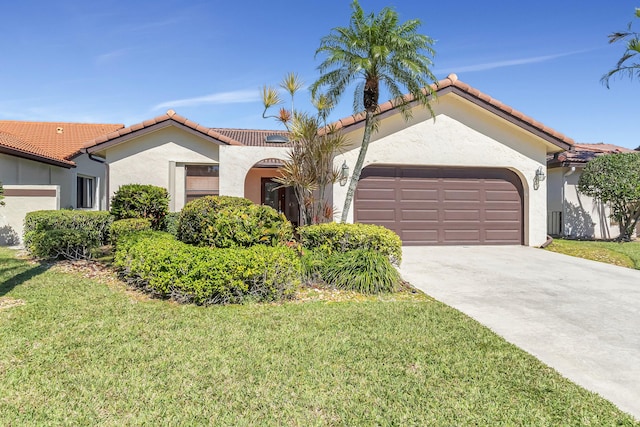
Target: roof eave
{"type": "Point", "coordinates": [36, 157]}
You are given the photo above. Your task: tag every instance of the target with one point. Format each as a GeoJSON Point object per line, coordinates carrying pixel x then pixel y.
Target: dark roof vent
{"type": "Point", "coordinates": [276, 139]}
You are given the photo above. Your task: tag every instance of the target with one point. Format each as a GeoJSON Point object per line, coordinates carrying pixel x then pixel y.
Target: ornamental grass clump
{"type": "Point", "coordinates": [361, 270]}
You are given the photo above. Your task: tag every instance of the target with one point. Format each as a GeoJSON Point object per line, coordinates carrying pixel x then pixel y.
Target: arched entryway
{"type": "Point", "coordinates": [260, 188]}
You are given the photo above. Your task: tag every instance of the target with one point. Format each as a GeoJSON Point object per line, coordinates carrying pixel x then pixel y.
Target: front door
{"type": "Point", "coordinates": [282, 199]}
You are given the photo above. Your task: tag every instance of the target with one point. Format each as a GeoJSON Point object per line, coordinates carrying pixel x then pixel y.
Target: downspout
{"type": "Point", "coordinates": [564, 198]}
{"type": "Point", "coordinates": [106, 176]}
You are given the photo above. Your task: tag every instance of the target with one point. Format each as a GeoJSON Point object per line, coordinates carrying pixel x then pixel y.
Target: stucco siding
{"type": "Point", "coordinates": [158, 158]}
{"type": "Point", "coordinates": [17, 206]}
{"type": "Point", "coordinates": [253, 183]}
{"type": "Point", "coordinates": [462, 135]}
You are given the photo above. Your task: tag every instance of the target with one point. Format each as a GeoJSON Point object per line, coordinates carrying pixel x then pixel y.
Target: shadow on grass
{"type": "Point", "coordinates": [20, 278]}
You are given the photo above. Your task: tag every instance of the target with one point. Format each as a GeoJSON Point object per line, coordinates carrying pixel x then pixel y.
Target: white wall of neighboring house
{"type": "Point", "coordinates": [581, 216]}
{"type": "Point", "coordinates": [18, 173]}
{"type": "Point", "coordinates": [463, 135]}
{"type": "Point", "coordinates": [20, 200]}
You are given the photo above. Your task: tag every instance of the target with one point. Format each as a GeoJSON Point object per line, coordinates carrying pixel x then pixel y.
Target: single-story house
{"type": "Point", "coordinates": [471, 176]}
{"type": "Point", "coordinates": [570, 213]}
{"type": "Point", "coordinates": [43, 166]}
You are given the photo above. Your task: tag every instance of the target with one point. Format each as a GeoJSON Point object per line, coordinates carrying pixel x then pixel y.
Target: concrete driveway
{"type": "Point", "coordinates": [580, 317]}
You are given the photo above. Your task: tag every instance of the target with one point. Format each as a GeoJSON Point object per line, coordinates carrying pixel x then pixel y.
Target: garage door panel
{"type": "Point", "coordinates": [467, 195]}
{"type": "Point", "coordinates": [419, 215]}
{"type": "Point", "coordinates": [461, 215]}
{"type": "Point", "coordinates": [501, 195]}
{"type": "Point", "coordinates": [418, 194]}
{"type": "Point", "coordinates": [378, 215]}
{"type": "Point", "coordinates": [419, 236]}
{"type": "Point", "coordinates": [445, 206]}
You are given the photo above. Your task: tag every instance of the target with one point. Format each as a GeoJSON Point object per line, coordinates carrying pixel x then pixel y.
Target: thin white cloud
{"type": "Point", "coordinates": [233, 97]}
{"type": "Point", "coordinates": [507, 63]}
{"type": "Point", "coordinates": [108, 57]}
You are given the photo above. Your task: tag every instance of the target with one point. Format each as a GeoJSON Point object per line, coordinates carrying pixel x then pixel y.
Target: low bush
{"type": "Point", "coordinates": [160, 264]}
{"type": "Point", "coordinates": [63, 243]}
{"type": "Point", "coordinates": [93, 227]}
{"type": "Point", "coordinates": [361, 270]}
{"type": "Point", "coordinates": [228, 222]}
{"type": "Point", "coordinates": [124, 227]}
{"type": "Point", "coordinates": [340, 237]}
{"type": "Point", "coordinates": [141, 201]}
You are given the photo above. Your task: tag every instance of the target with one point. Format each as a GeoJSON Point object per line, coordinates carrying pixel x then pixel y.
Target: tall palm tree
{"type": "Point", "coordinates": [374, 50]}
{"type": "Point", "coordinates": [624, 65]}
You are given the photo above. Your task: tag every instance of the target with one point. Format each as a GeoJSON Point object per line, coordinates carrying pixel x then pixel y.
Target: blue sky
{"type": "Point", "coordinates": [128, 61]}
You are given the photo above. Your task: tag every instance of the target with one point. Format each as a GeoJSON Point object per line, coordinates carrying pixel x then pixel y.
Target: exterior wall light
{"type": "Point", "coordinates": [344, 174]}
{"type": "Point", "coordinates": [539, 177]}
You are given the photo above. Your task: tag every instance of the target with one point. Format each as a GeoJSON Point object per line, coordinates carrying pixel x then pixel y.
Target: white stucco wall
{"type": "Point", "coordinates": [462, 135]}
{"type": "Point", "coordinates": [582, 216]}
{"type": "Point", "coordinates": [237, 161]}
{"type": "Point", "coordinates": [158, 158]}
{"type": "Point", "coordinates": [16, 207]}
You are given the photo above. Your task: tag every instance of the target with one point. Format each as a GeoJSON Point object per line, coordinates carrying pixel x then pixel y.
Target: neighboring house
{"type": "Point", "coordinates": [570, 213]}
{"type": "Point", "coordinates": [471, 176]}
{"type": "Point", "coordinates": [42, 166]}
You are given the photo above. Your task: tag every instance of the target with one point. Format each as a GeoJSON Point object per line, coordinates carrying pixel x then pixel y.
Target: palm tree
{"type": "Point", "coordinates": [375, 50]}
{"type": "Point", "coordinates": [633, 48]}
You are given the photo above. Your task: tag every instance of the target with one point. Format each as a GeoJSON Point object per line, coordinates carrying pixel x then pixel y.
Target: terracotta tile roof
{"type": "Point", "coordinates": [583, 153]}
{"type": "Point", "coordinates": [256, 138]}
{"type": "Point", "coordinates": [58, 141]}
{"type": "Point", "coordinates": [451, 83]}
{"type": "Point", "coordinates": [12, 144]}
{"type": "Point", "coordinates": [169, 115]}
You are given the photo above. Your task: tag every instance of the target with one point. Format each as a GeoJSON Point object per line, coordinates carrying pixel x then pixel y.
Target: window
{"type": "Point", "coordinates": [201, 180]}
{"type": "Point", "coordinates": [85, 192]}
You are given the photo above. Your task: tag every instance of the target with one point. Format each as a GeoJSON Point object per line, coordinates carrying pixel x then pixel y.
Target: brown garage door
{"type": "Point", "coordinates": [442, 206]}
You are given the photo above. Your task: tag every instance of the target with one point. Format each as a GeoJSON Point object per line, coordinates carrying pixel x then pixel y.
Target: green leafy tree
{"type": "Point", "coordinates": [309, 169]}
{"type": "Point", "coordinates": [615, 179]}
{"type": "Point", "coordinates": [1, 195]}
{"type": "Point", "coordinates": [375, 50]}
{"type": "Point", "coordinates": [627, 64]}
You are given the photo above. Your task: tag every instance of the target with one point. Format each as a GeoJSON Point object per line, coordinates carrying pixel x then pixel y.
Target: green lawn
{"type": "Point", "coordinates": [86, 352]}
{"type": "Point", "coordinates": [624, 254]}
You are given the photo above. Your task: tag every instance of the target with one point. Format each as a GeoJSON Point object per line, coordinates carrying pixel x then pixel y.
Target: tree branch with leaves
{"type": "Point", "coordinates": [628, 64]}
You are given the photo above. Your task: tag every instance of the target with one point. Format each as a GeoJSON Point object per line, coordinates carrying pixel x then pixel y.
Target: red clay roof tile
{"type": "Point", "coordinates": [54, 140]}
{"type": "Point", "coordinates": [452, 81]}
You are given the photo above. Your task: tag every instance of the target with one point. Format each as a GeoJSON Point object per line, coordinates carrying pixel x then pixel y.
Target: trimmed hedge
{"type": "Point", "coordinates": [141, 201]}
{"type": "Point", "coordinates": [168, 268]}
{"type": "Point", "coordinates": [124, 227]}
{"type": "Point", "coordinates": [229, 222]}
{"type": "Point", "coordinates": [342, 237]}
{"type": "Point", "coordinates": [79, 232]}
{"type": "Point", "coordinates": [63, 243]}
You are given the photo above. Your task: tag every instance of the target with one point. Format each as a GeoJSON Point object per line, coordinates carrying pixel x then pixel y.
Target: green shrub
{"type": "Point", "coordinates": [124, 227]}
{"type": "Point", "coordinates": [334, 237]}
{"type": "Point", "coordinates": [141, 201]}
{"type": "Point", "coordinates": [228, 222]}
{"type": "Point", "coordinates": [63, 243]}
{"type": "Point", "coordinates": [171, 223]}
{"type": "Point", "coordinates": [168, 268]}
{"type": "Point", "coordinates": [95, 223]}
{"type": "Point", "coordinates": [361, 270]}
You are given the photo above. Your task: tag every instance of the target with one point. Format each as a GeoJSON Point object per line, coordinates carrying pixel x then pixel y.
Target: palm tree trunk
{"type": "Point", "coordinates": [357, 169]}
